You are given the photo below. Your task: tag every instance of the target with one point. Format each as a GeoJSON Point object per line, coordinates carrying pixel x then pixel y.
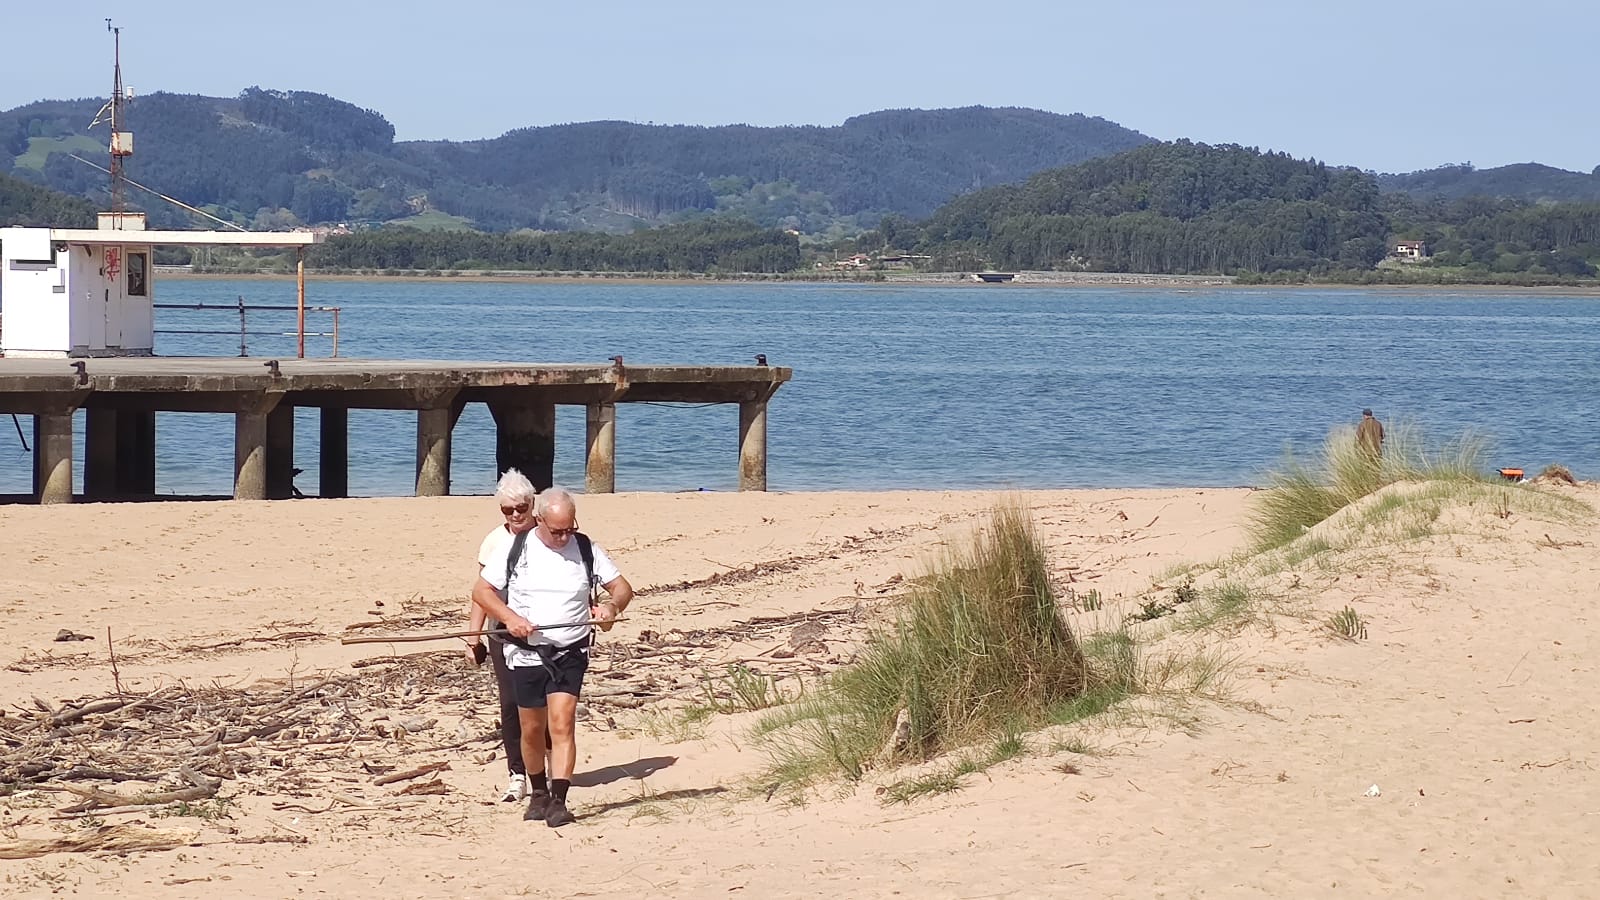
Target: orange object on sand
{"type": "Point", "coordinates": [1512, 474]}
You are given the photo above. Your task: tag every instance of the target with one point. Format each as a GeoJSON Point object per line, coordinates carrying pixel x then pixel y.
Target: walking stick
{"type": "Point", "coordinates": [492, 632]}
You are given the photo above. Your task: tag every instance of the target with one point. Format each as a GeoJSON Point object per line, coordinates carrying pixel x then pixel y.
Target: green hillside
{"type": "Point", "coordinates": [22, 203]}
{"type": "Point", "coordinates": [266, 156]}
{"type": "Point", "coordinates": [1177, 208]}
{"type": "Point", "coordinates": [1531, 182]}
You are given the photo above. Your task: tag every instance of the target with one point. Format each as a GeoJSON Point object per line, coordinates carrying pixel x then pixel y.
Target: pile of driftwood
{"type": "Point", "coordinates": [294, 739]}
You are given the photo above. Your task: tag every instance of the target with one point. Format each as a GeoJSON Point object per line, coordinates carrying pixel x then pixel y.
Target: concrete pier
{"type": "Point", "coordinates": [121, 395]}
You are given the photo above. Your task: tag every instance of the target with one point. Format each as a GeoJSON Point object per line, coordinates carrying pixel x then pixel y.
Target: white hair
{"type": "Point", "coordinates": [514, 487]}
{"type": "Point", "coordinates": [556, 495]}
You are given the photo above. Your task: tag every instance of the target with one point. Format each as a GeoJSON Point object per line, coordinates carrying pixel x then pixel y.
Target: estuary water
{"type": "Point", "coordinates": [918, 386]}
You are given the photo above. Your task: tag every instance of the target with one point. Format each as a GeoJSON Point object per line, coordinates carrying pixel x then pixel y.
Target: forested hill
{"type": "Point", "coordinates": [22, 203]}
{"type": "Point", "coordinates": [1532, 182]}
{"type": "Point", "coordinates": [1179, 207]}
{"type": "Point", "coordinates": [274, 159]}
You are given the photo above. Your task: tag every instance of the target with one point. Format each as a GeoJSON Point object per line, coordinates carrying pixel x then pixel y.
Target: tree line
{"type": "Point", "coordinates": [708, 246]}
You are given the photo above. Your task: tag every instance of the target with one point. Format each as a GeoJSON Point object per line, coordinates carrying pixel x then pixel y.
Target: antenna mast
{"type": "Point", "coordinates": [121, 141]}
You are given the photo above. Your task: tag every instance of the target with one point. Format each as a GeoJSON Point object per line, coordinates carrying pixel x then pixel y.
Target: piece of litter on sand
{"type": "Point", "coordinates": [1374, 792]}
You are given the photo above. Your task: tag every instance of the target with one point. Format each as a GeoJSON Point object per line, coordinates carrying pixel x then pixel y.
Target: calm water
{"type": "Point", "coordinates": [926, 387]}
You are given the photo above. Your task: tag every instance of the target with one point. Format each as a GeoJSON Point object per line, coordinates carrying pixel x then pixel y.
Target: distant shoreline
{"type": "Point", "coordinates": [940, 279]}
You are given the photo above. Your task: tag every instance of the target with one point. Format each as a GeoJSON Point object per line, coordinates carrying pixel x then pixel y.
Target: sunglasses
{"type": "Point", "coordinates": [562, 532]}
{"type": "Point", "coordinates": [520, 509]}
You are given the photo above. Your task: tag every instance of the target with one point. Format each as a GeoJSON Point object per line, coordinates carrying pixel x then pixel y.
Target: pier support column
{"type": "Point", "coordinates": [333, 478]}
{"type": "Point", "coordinates": [136, 452]}
{"type": "Point", "coordinates": [437, 411]}
{"type": "Point", "coordinates": [52, 453]}
{"type": "Point", "coordinates": [250, 447]}
{"type": "Point", "coordinates": [100, 436]}
{"type": "Point", "coordinates": [433, 452]}
{"type": "Point", "coordinates": [280, 452]}
{"type": "Point", "coordinates": [753, 444]}
{"type": "Point", "coordinates": [601, 468]}
{"type": "Point", "coordinates": [525, 439]}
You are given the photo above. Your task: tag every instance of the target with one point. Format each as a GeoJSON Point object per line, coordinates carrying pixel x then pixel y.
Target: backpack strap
{"type": "Point", "coordinates": [586, 550]}
{"type": "Point", "coordinates": [518, 541]}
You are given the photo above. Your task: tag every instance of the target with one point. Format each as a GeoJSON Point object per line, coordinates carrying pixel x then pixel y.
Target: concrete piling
{"type": "Point", "coordinates": [52, 447]}
{"type": "Point", "coordinates": [600, 471]}
{"type": "Point", "coordinates": [280, 452]}
{"type": "Point", "coordinates": [100, 437]}
{"type": "Point", "coordinates": [433, 452]}
{"type": "Point", "coordinates": [753, 444]}
{"type": "Point", "coordinates": [333, 471]}
{"type": "Point", "coordinates": [525, 438]}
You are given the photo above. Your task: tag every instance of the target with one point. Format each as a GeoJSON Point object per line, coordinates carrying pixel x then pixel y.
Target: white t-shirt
{"type": "Point", "coordinates": [548, 587]}
{"type": "Point", "coordinates": [495, 544]}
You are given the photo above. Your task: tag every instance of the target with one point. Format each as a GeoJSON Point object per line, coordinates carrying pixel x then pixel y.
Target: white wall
{"type": "Point", "coordinates": [72, 306]}
{"type": "Point", "coordinates": [33, 296]}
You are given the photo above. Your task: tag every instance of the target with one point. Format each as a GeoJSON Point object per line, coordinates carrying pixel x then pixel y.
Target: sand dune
{"type": "Point", "coordinates": [1468, 706]}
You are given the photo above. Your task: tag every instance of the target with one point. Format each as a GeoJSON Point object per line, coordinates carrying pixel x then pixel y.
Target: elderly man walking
{"type": "Point", "coordinates": [548, 577]}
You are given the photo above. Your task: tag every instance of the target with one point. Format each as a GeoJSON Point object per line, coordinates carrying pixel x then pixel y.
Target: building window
{"type": "Point", "coordinates": [138, 270]}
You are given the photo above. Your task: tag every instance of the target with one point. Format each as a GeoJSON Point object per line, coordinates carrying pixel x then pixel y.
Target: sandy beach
{"type": "Point", "coordinates": [1447, 753]}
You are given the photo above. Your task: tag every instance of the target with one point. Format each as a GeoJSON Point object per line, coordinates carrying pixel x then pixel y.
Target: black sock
{"type": "Point", "coordinates": [558, 788]}
{"type": "Point", "coordinates": [537, 781]}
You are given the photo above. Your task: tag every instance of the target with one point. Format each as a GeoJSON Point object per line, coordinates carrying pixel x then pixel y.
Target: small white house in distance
{"type": "Point", "coordinates": [90, 291]}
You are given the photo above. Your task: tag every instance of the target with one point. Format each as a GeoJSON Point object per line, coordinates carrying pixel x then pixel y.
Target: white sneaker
{"type": "Point", "coordinates": [516, 790]}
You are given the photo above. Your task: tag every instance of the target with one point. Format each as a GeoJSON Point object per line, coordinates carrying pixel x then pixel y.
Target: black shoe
{"type": "Point", "coordinates": [557, 814]}
{"type": "Point", "coordinates": [538, 801]}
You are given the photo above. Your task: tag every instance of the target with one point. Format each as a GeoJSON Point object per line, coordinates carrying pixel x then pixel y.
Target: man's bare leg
{"type": "Point", "coordinates": [560, 722]}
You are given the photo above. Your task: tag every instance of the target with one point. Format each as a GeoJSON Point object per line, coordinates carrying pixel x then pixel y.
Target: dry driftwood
{"type": "Point", "coordinates": [116, 838]}
{"type": "Point", "coordinates": [414, 773]}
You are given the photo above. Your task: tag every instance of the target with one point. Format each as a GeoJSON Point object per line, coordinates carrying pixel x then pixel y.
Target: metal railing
{"type": "Point", "coordinates": [243, 332]}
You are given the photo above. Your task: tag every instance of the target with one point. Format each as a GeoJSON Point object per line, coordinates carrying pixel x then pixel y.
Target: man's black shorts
{"type": "Point", "coordinates": [535, 683]}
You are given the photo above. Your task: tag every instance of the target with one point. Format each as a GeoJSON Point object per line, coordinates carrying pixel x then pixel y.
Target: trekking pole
{"type": "Point", "coordinates": [491, 632]}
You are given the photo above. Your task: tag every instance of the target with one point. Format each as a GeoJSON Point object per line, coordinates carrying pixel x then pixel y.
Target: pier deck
{"type": "Point", "coordinates": [121, 395]}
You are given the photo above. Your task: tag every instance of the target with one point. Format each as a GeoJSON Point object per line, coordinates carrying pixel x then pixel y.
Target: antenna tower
{"type": "Point", "coordinates": [121, 141]}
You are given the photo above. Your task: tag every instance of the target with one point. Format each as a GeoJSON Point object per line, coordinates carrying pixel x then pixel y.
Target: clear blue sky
{"type": "Point", "coordinates": [1389, 86]}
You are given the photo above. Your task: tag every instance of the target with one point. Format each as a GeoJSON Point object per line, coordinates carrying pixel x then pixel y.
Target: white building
{"type": "Point", "coordinates": [90, 292]}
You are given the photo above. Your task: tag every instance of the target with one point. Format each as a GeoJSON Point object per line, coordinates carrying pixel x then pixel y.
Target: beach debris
{"type": "Point", "coordinates": [1374, 791]}
{"type": "Point", "coordinates": [899, 738]}
{"type": "Point", "coordinates": [107, 838]}
{"type": "Point", "coordinates": [67, 634]}
{"type": "Point", "coordinates": [418, 772]}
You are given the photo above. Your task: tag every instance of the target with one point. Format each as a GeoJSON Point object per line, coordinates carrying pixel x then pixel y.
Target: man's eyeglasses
{"type": "Point", "coordinates": [519, 509]}
{"type": "Point", "coordinates": [562, 532]}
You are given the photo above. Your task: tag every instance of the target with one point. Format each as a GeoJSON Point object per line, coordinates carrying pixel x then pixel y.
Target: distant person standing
{"type": "Point", "coordinates": [1369, 434]}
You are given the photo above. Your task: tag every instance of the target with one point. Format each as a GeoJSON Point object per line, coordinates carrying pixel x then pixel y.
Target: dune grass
{"type": "Point", "coordinates": [1301, 494]}
{"type": "Point", "coordinates": [981, 649]}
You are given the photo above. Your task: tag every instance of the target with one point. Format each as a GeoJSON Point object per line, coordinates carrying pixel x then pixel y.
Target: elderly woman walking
{"type": "Point", "coordinates": [515, 494]}
{"type": "Point", "coordinates": [549, 610]}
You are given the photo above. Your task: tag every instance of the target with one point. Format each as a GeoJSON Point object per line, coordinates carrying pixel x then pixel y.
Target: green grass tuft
{"type": "Point", "coordinates": [980, 649]}
{"type": "Point", "coordinates": [1299, 495]}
